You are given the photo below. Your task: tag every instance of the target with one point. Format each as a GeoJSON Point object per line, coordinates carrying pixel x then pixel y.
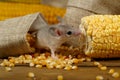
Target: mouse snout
{"type": "Point", "coordinates": [77, 33]}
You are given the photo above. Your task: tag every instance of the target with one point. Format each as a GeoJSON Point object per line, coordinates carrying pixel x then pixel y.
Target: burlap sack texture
{"type": "Point", "coordinates": [76, 9]}
{"type": "Point", "coordinates": [13, 34]}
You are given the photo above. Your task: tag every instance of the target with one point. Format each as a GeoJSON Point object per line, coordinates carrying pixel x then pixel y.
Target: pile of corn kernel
{"type": "Point", "coordinates": [43, 60]}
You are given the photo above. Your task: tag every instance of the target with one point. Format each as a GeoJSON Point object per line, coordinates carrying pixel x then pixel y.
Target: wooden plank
{"type": "Point", "coordinates": [86, 71]}
{"type": "Point", "coordinates": [109, 63]}
{"type": "Point", "coordinates": [83, 73]}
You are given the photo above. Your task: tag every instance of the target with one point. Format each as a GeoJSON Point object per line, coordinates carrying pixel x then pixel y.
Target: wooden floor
{"type": "Point", "coordinates": [86, 71]}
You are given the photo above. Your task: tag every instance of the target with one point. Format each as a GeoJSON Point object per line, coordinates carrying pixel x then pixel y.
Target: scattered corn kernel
{"type": "Point", "coordinates": [31, 64]}
{"type": "Point", "coordinates": [111, 71]}
{"type": "Point", "coordinates": [31, 74]}
{"type": "Point", "coordinates": [103, 68]}
{"type": "Point", "coordinates": [82, 59]}
{"type": "Point", "coordinates": [75, 60]}
{"type": "Point", "coordinates": [11, 65]}
{"type": "Point", "coordinates": [38, 66]}
{"type": "Point", "coordinates": [12, 60]}
{"type": "Point", "coordinates": [16, 62]}
{"type": "Point", "coordinates": [60, 77]}
{"type": "Point", "coordinates": [74, 67]}
{"type": "Point", "coordinates": [68, 67]}
{"type": "Point", "coordinates": [8, 69]}
{"type": "Point", "coordinates": [100, 65]}
{"type": "Point", "coordinates": [88, 59]}
{"type": "Point", "coordinates": [99, 77]}
{"type": "Point", "coordinates": [50, 66]}
{"type": "Point", "coordinates": [96, 63]}
{"type": "Point", "coordinates": [115, 75]}
{"type": "Point", "coordinates": [59, 66]}
{"type": "Point", "coordinates": [2, 64]}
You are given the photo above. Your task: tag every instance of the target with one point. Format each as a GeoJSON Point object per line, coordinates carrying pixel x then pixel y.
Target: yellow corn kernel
{"type": "Point", "coordinates": [11, 60]}
{"type": "Point", "coordinates": [31, 64]}
{"type": "Point", "coordinates": [88, 59]}
{"type": "Point", "coordinates": [8, 69]}
{"type": "Point", "coordinates": [82, 59]}
{"type": "Point", "coordinates": [103, 68]}
{"type": "Point", "coordinates": [59, 77]}
{"type": "Point", "coordinates": [115, 75]}
{"type": "Point", "coordinates": [96, 63]}
{"type": "Point", "coordinates": [68, 67]}
{"type": "Point", "coordinates": [38, 66]}
{"type": "Point", "coordinates": [59, 66]}
{"type": "Point", "coordinates": [49, 66]}
{"type": "Point", "coordinates": [74, 67]}
{"type": "Point", "coordinates": [31, 74]}
{"type": "Point", "coordinates": [75, 60]}
{"type": "Point", "coordinates": [11, 65]}
{"type": "Point", "coordinates": [99, 77]}
{"type": "Point", "coordinates": [2, 64]}
{"type": "Point", "coordinates": [111, 71]}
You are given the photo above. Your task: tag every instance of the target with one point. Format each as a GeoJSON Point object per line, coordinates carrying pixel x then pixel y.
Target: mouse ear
{"type": "Point", "coordinates": [60, 19]}
{"type": "Point", "coordinates": [55, 31]}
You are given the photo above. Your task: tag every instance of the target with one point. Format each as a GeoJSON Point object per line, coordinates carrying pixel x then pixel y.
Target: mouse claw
{"type": "Point", "coordinates": [54, 57]}
{"type": "Point", "coordinates": [53, 54]}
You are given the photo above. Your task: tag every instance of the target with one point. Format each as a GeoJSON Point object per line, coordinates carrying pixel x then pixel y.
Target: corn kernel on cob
{"type": "Point", "coordinates": [9, 10]}
{"type": "Point", "coordinates": [103, 35]}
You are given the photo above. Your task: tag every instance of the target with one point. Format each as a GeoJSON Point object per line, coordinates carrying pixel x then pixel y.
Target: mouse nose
{"type": "Point", "coordinates": [77, 33]}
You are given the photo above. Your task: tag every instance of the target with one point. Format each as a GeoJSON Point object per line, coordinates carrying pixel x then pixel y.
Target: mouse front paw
{"type": "Point", "coordinates": [54, 56]}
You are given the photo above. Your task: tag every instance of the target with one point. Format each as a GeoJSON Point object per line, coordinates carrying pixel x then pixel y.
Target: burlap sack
{"type": "Point", "coordinates": [13, 34]}
{"type": "Point", "coordinates": [76, 9]}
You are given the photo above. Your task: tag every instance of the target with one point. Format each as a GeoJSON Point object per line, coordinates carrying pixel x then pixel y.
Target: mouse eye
{"type": "Point", "coordinates": [69, 32]}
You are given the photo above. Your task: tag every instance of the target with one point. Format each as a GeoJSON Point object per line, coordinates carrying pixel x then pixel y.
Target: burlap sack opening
{"type": "Point", "coordinates": [13, 34]}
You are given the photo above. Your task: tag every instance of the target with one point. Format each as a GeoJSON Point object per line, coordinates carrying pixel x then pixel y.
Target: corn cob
{"type": "Point", "coordinates": [9, 10]}
{"type": "Point", "coordinates": [103, 35]}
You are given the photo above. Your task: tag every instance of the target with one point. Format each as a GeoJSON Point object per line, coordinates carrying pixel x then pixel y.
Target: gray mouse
{"type": "Point", "coordinates": [53, 36]}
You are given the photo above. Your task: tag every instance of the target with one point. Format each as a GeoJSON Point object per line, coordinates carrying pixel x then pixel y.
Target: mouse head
{"type": "Point", "coordinates": [64, 30]}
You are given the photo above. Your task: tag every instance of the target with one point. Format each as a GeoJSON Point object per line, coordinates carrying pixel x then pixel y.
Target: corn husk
{"type": "Point", "coordinates": [13, 34]}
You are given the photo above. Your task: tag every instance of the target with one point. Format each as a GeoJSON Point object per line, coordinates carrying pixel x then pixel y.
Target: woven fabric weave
{"type": "Point", "coordinates": [13, 35]}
